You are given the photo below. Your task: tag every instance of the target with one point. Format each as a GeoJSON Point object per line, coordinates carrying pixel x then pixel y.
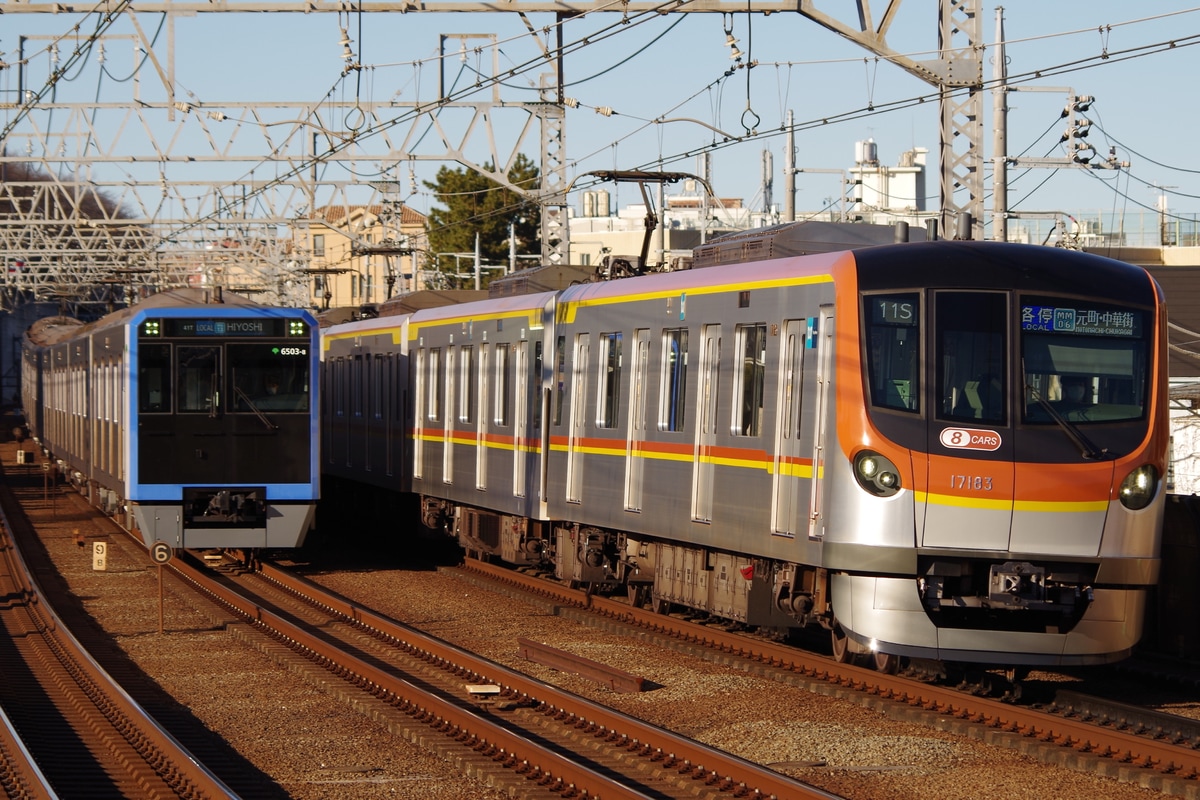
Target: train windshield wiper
{"type": "Point", "coordinates": [257, 411]}
{"type": "Point", "coordinates": [1086, 448]}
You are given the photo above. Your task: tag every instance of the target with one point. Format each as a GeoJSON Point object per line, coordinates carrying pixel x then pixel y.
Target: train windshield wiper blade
{"type": "Point", "coordinates": [257, 411]}
{"type": "Point", "coordinates": [1086, 448]}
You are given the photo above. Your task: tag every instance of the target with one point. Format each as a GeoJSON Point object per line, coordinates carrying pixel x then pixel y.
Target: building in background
{"type": "Point", "coordinates": [361, 255]}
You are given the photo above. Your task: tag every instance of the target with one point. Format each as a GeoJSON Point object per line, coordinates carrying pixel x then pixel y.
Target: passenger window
{"type": "Point", "coordinates": [609, 401]}
{"type": "Point", "coordinates": [501, 400]}
{"type": "Point", "coordinates": [752, 347]}
{"type": "Point", "coordinates": [435, 386]}
{"type": "Point", "coordinates": [672, 384]}
{"type": "Point", "coordinates": [466, 382]}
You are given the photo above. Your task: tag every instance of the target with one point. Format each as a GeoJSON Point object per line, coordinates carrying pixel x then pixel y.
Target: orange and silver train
{"type": "Point", "coordinates": [942, 450]}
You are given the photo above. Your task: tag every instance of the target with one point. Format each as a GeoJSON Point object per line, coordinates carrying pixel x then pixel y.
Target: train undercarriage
{"type": "Point", "coordinates": [757, 593]}
{"type": "Point", "coordinates": [768, 596]}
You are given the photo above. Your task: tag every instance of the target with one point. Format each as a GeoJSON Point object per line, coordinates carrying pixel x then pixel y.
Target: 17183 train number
{"type": "Point", "coordinates": [981, 483]}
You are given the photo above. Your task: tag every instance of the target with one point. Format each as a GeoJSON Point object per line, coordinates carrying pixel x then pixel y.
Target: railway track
{"type": "Point", "coordinates": [541, 741]}
{"type": "Point", "coordinates": [70, 730]}
{"type": "Point", "coordinates": [1093, 734]}
{"type": "Point", "coordinates": [537, 739]}
{"type": "Point", "coordinates": [278, 601]}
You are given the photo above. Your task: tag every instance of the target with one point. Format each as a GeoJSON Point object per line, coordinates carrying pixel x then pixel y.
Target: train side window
{"type": "Point", "coordinates": [501, 384]}
{"type": "Point", "coordinates": [358, 386]}
{"type": "Point", "coordinates": [377, 384]}
{"type": "Point", "coordinates": [609, 398]}
{"type": "Point", "coordinates": [336, 394]}
{"type": "Point", "coordinates": [560, 372]}
{"type": "Point", "coordinates": [970, 336]}
{"type": "Point", "coordinates": [535, 380]}
{"type": "Point", "coordinates": [154, 379]}
{"type": "Point", "coordinates": [198, 370]}
{"type": "Point", "coordinates": [672, 385]}
{"type": "Point", "coordinates": [748, 387]}
{"type": "Point", "coordinates": [435, 385]}
{"type": "Point", "coordinates": [467, 382]}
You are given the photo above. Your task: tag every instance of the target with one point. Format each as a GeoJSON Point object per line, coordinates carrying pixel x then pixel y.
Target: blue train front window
{"type": "Point", "coordinates": [198, 376]}
{"type": "Point", "coordinates": [893, 342]}
{"type": "Point", "coordinates": [1086, 361]}
{"type": "Point", "coordinates": [154, 379]}
{"type": "Point", "coordinates": [268, 377]}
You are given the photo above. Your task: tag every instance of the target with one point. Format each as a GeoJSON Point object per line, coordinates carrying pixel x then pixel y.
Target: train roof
{"type": "Point", "coordinates": [54, 332]}
{"type": "Point", "coordinates": [49, 330]}
{"type": "Point", "coordinates": [1005, 265]}
{"type": "Point", "coordinates": [799, 239]}
{"type": "Point", "coordinates": [428, 298]}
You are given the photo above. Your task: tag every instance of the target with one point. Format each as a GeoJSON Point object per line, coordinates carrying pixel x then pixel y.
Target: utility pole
{"type": "Point", "coordinates": [1000, 135]}
{"type": "Point", "coordinates": [789, 170]}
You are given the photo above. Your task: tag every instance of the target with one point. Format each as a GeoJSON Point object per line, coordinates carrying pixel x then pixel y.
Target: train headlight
{"type": "Point", "coordinates": [1137, 490]}
{"type": "Point", "coordinates": [876, 474]}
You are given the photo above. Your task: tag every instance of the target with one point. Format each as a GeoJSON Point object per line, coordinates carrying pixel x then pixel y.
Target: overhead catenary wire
{"type": "Point", "coordinates": [871, 108]}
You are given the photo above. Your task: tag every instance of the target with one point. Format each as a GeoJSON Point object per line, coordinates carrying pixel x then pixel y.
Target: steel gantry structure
{"type": "Point", "coordinates": [163, 187]}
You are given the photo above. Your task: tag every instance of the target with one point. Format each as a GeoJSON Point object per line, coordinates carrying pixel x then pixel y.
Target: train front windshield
{"type": "Point", "coordinates": [189, 366]}
{"type": "Point", "coordinates": [1084, 361]}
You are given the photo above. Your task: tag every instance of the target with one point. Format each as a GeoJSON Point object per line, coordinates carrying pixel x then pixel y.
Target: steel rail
{"type": "Point", "coordinates": [700, 759]}
{"type": "Point", "coordinates": [160, 752]}
{"type": "Point", "coordinates": [1179, 760]}
{"type": "Point", "coordinates": [503, 746]}
{"type": "Point", "coordinates": [20, 776]}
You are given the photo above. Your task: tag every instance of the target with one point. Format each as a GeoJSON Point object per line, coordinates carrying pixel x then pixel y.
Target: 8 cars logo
{"type": "Point", "coordinates": [970, 439]}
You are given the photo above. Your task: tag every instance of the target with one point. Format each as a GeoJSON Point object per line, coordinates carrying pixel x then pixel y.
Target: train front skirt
{"type": "Point", "coordinates": [233, 520]}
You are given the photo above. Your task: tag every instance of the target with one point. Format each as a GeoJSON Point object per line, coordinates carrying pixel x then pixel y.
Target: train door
{"type": "Point", "coordinates": [786, 487]}
{"type": "Point", "coordinates": [448, 418]}
{"type": "Point", "coordinates": [520, 414]}
{"type": "Point", "coordinates": [578, 420]}
{"type": "Point", "coordinates": [635, 429]}
{"type": "Point", "coordinates": [706, 423]}
{"type": "Point", "coordinates": [970, 440]}
{"type": "Point", "coordinates": [821, 337]}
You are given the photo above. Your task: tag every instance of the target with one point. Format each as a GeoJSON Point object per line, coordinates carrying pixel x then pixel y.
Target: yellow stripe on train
{"type": "Point", "coordinates": [1044, 506]}
{"type": "Point", "coordinates": [567, 310]}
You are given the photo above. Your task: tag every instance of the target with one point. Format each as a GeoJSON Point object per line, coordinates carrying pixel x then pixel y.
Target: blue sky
{"type": "Point", "coordinates": [673, 67]}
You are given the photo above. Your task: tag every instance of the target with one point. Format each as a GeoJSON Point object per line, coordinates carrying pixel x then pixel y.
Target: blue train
{"type": "Point", "coordinates": [191, 416]}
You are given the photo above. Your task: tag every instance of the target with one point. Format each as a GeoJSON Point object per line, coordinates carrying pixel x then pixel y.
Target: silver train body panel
{"type": "Point", "coordinates": [698, 434]}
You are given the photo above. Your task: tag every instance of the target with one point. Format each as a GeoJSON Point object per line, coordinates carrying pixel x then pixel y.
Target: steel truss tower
{"type": "Point", "coordinates": [163, 185]}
